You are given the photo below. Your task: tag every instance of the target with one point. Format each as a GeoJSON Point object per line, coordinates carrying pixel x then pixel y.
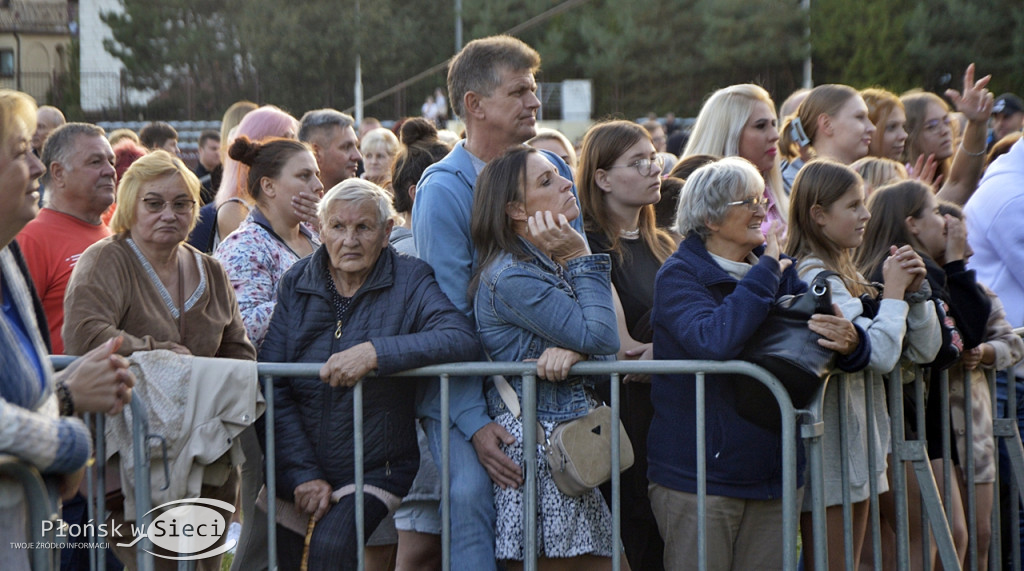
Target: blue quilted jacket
{"type": "Point", "coordinates": [411, 323]}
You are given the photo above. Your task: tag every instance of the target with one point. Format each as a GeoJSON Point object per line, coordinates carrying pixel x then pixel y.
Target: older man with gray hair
{"type": "Point", "coordinates": [80, 179]}
{"type": "Point", "coordinates": [332, 135]}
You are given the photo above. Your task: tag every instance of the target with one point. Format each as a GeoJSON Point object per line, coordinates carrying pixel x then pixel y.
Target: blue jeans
{"type": "Point", "coordinates": [1007, 503]}
{"type": "Point", "coordinates": [472, 500]}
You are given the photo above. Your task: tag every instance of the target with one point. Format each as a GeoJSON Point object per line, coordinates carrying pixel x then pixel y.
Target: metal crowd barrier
{"type": "Point", "coordinates": [904, 452]}
{"type": "Point", "coordinates": [40, 506]}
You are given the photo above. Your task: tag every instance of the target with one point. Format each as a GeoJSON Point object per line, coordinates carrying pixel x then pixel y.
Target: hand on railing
{"type": "Point", "coordinates": [313, 497]}
{"type": "Point", "coordinates": [100, 381]}
{"type": "Point", "coordinates": [502, 470]}
{"type": "Point", "coordinates": [344, 369]}
{"type": "Point", "coordinates": [644, 352]}
{"type": "Point", "coordinates": [554, 363]}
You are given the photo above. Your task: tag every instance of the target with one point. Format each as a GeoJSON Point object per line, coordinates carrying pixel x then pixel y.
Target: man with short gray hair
{"type": "Point", "coordinates": [80, 180]}
{"type": "Point", "coordinates": [335, 145]}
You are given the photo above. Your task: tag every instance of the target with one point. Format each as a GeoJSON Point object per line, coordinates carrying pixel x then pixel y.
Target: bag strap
{"type": "Point", "coordinates": [508, 395]}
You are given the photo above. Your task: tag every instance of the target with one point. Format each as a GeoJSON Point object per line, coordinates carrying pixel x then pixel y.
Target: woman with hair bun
{"type": "Point", "coordinates": [421, 148]}
{"type": "Point", "coordinates": [255, 258]}
{"type": "Point", "coordinates": [272, 237]}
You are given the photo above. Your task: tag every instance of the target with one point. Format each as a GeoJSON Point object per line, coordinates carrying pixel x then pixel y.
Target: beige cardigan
{"type": "Point", "coordinates": [110, 294]}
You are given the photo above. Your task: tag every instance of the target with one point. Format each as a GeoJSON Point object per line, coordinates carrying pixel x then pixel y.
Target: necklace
{"type": "Point", "coordinates": [339, 301]}
{"type": "Point", "coordinates": [630, 234]}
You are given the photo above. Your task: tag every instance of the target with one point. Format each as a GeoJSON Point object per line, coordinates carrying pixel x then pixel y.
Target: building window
{"type": "Point", "coordinates": [6, 62]}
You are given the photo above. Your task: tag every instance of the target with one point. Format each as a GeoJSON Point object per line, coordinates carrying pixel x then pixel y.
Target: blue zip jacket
{"type": "Point", "coordinates": [410, 322]}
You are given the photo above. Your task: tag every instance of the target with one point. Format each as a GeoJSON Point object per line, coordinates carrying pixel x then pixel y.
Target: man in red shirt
{"type": "Point", "coordinates": [80, 182]}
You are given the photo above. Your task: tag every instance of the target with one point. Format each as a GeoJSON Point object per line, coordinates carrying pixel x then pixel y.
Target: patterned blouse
{"type": "Point", "coordinates": [255, 258]}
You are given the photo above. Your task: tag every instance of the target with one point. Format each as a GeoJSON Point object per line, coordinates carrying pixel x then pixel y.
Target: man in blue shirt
{"type": "Point", "coordinates": [492, 89]}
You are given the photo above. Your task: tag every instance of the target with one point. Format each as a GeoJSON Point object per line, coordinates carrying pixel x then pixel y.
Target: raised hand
{"type": "Point", "coordinates": [975, 102]}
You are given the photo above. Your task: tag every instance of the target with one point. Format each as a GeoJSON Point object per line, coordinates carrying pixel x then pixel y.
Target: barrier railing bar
{"type": "Point", "coordinates": [844, 457]}
{"type": "Point", "coordinates": [947, 455]}
{"type": "Point", "coordinates": [357, 422]}
{"type": "Point", "coordinates": [874, 513]}
{"type": "Point", "coordinates": [921, 431]}
{"type": "Point", "coordinates": [143, 497]}
{"type": "Point", "coordinates": [616, 475]}
{"type": "Point", "coordinates": [996, 545]}
{"type": "Point", "coordinates": [446, 476]}
{"type": "Point", "coordinates": [39, 507]}
{"type": "Point", "coordinates": [530, 437]}
{"type": "Point", "coordinates": [971, 498]}
{"type": "Point", "coordinates": [812, 430]}
{"type": "Point", "coordinates": [270, 472]}
{"type": "Point", "coordinates": [702, 473]}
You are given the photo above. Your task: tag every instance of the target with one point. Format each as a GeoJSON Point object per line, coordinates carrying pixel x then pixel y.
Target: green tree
{"type": "Point", "coordinates": [188, 51]}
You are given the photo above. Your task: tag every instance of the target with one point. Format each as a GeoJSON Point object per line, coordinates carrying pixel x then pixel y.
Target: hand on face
{"type": "Point", "coordinates": [772, 245]}
{"type": "Point", "coordinates": [956, 239]}
{"type": "Point", "coordinates": [557, 238]}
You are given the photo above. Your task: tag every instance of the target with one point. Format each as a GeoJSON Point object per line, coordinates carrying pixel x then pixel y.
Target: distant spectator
{"type": "Point", "coordinates": [160, 135]}
{"type": "Point", "coordinates": [210, 168]}
{"type": "Point", "coordinates": [118, 135]}
{"type": "Point", "coordinates": [556, 142]}
{"type": "Point", "coordinates": [368, 124]}
{"type": "Point", "coordinates": [379, 148]}
{"type": "Point", "coordinates": [1007, 116]}
{"type": "Point", "coordinates": [48, 118]}
{"type": "Point", "coordinates": [333, 138]}
{"type": "Point", "coordinates": [232, 117]}
{"type": "Point", "coordinates": [657, 134]}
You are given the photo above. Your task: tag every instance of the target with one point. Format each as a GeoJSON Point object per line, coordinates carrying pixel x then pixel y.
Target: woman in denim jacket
{"type": "Point", "coordinates": [539, 294]}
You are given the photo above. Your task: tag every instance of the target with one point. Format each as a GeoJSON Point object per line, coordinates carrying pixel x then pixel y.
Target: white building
{"type": "Point", "coordinates": [101, 71]}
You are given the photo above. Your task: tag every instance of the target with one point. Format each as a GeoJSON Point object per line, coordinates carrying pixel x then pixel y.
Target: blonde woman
{"type": "Point", "coordinates": [740, 121]}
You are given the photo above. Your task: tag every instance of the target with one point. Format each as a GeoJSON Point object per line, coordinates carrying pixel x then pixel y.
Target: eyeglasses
{"type": "Point", "coordinates": [752, 204]}
{"type": "Point", "coordinates": [644, 167]}
{"type": "Point", "coordinates": [935, 123]}
{"type": "Point", "coordinates": [154, 205]}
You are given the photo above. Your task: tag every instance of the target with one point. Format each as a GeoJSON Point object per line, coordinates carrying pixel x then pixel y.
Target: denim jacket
{"type": "Point", "coordinates": [523, 307]}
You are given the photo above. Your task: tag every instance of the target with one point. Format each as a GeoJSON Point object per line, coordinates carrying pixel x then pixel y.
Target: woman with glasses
{"type": "Point", "coordinates": [740, 121]}
{"type": "Point", "coordinates": [930, 133]}
{"type": "Point", "coordinates": [147, 285]}
{"type": "Point", "coordinates": [710, 298]}
{"type": "Point", "coordinates": [619, 181]}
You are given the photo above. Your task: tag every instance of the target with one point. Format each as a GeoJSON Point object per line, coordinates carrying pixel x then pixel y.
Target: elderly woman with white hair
{"type": "Point", "coordinates": [360, 307]}
{"type": "Point", "coordinates": [379, 148]}
{"type": "Point", "coordinates": [710, 298]}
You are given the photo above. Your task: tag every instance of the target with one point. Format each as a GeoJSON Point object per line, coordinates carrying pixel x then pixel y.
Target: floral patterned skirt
{"type": "Point", "coordinates": [566, 526]}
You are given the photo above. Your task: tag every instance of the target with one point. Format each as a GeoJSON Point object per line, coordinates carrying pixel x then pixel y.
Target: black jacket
{"type": "Point", "coordinates": [411, 323]}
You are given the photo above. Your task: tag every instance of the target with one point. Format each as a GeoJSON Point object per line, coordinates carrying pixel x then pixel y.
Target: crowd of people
{"type": "Point", "coordinates": [303, 239]}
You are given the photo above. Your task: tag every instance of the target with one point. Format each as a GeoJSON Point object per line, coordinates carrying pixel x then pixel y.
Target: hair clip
{"type": "Point", "coordinates": [796, 128]}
